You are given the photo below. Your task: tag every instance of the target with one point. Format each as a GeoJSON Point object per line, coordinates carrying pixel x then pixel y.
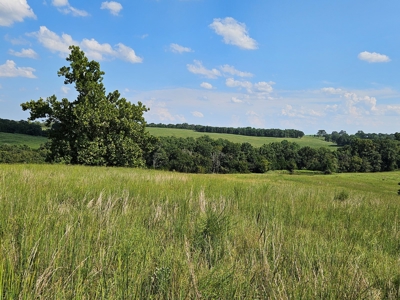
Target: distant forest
{"type": "Point", "coordinates": [22, 127]}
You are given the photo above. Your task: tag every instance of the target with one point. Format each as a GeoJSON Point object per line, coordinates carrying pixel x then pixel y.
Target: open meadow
{"type": "Point", "coordinates": [73, 232]}
{"type": "Point", "coordinates": [33, 142]}
{"type": "Point", "coordinates": [255, 141]}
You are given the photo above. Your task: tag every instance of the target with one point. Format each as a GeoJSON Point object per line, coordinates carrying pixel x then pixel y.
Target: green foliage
{"type": "Point", "coordinates": [12, 154]}
{"type": "Point", "coordinates": [95, 129]}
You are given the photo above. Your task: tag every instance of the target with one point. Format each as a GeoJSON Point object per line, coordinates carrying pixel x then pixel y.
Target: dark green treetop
{"type": "Point", "coordinates": [94, 129]}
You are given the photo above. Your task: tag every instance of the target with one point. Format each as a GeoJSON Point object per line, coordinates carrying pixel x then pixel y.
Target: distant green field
{"type": "Point", "coordinates": [311, 141]}
{"type": "Point", "coordinates": [21, 139]}
{"type": "Point", "coordinates": [314, 142]}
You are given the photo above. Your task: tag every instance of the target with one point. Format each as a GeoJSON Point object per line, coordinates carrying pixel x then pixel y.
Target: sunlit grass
{"type": "Point", "coordinates": [70, 232]}
{"type": "Point", "coordinates": [21, 139]}
{"type": "Point", "coordinates": [311, 141]}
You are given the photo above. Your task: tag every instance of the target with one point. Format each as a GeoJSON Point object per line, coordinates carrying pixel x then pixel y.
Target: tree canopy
{"type": "Point", "coordinates": [95, 128]}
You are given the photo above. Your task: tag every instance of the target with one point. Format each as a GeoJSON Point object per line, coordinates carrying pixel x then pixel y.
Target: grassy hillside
{"type": "Point", "coordinates": [114, 233]}
{"type": "Point", "coordinates": [311, 141]}
{"type": "Point", "coordinates": [22, 139]}
{"type": "Point", "coordinates": [314, 142]}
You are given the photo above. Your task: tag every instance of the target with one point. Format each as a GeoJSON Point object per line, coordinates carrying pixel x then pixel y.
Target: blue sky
{"type": "Point", "coordinates": [306, 65]}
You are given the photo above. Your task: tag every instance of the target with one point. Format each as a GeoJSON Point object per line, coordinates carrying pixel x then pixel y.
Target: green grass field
{"type": "Point", "coordinates": [311, 141]}
{"type": "Point", "coordinates": [72, 232]}
{"type": "Point", "coordinates": [314, 142]}
{"type": "Point", "coordinates": [21, 139]}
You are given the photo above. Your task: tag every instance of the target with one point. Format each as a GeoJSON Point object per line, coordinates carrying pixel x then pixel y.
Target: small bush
{"type": "Point", "coordinates": [342, 195]}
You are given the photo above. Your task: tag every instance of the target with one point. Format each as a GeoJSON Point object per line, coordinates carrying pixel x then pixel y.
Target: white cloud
{"type": "Point", "coordinates": [206, 85]}
{"type": "Point", "coordinates": [53, 42]}
{"type": "Point", "coordinates": [264, 87]}
{"type": "Point", "coordinates": [30, 53]}
{"type": "Point", "coordinates": [14, 11]}
{"type": "Point", "coordinates": [231, 70]}
{"type": "Point", "coordinates": [128, 54]}
{"type": "Point", "coordinates": [112, 6]}
{"type": "Point", "coordinates": [358, 105]}
{"type": "Point", "coordinates": [198, 68]}
{"type": "Point", "coordinates": [230, 82]}
{"type": "Point", "coordinates": [179, 49]}
{"type": "Point", "coordinates": [92, 48]}
{"type": "Point", "coordinates": [331, 90]}
{"type": "Point", "coordinates": [373, 57]}
{"type": "Point", "coordinates": [65, 89]}
{"type": "Point", "coordinates": [10, 69]}
{"type": "Point", "coordinates": [234, 33]}
{"type": "Point", "coordinates": [197, 114]}
{"type": "Point", "coordinates": [64, 7]}
{"type": "Point", "coordinates": [236, 100]}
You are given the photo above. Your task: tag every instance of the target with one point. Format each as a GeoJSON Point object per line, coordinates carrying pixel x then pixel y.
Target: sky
{"type": "Point", "coordinates": [308, 65]}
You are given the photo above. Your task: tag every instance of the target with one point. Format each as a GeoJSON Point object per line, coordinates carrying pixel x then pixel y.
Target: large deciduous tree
{"type": "Point", "coordinates": [94, 129]}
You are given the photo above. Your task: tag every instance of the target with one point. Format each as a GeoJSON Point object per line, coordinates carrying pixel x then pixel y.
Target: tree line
{"type": "Point", "coordinates": [342, 138]}
{"type": "Point", "coordinates": [206, 155]}
{"type": "Point", "coordinates": [22, 127]}
{"type": "Point", "coordinates": [248, 131]}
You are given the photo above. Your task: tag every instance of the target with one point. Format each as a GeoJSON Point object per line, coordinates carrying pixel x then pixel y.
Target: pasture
{"type": "Point", "coordinates": [33, 142]}
{"type": "Point", "coordinates": [73, 232]}
{"type": "Point", "coordinates": [313, 142]}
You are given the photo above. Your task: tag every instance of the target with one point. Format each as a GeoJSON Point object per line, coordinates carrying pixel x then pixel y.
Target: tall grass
{"type": "Point", "coordinates": [71, 232]}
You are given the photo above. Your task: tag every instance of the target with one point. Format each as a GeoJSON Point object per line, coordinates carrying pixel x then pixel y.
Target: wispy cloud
{"type": "Point", "coordinates": [373, 57]}
{"type": "Point", "coordinates": [198, 68]}
{"type": "Point", "coordinates": [233, 33]}
{"type": "Point", "coordinates": [206, 85]}
{"type": "Point", "coordinates": [30, 53]}
{"type": "Point", "coordinates": [14, 11]}
{"type": "Point", "coordinates": [197, 114]}
{"type": "Point", "coordinates": [112, 6]}
{"type": "Point", "coordinates": [232, 71]}
{"type": "Point", "coordinates": [64, 7]}
{"type": "Point", "coordinates": [10, 69]}
{"type": "Point", "coordinates": [93, 48]}
{"type": "Point", "coordinates": [179, 49]}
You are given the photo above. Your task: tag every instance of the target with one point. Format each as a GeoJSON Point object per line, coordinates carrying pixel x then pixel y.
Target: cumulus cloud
{"type": "Point", "coordinates": [14, 11]}
{"type": "Point", "coordinates": [262, 88]}
{"type": "Point", "coordinates": [236, 100]}
{"type": "Point", "coordinates": [373, 57]}
{"type": "Point", "coordinates": [230, 82]}
{"type": "Point", "coordinates": [92, 48]}
{"type": "Point", "coordinates": [233, 33]}
{"type": "Point", "coordinates": [331, 90]}
{"type": "Point", "coordinates": [198, 68]}
{"type": "Point", "coordinates": [30, 53]}
{"type": "Point", "coordinates": [206, 85]}
{"type": "Point", "coordinates": [179, 49]}
{"type": "Point", "coordinates": [112, 6]}
{"type": "Point", "coordinates": [64, 7]}
{"type": "Point", "coordinates": [358, 105]}
{"type": "Point", "coordinates": [10, 69]}
{"type": "Point", "coordinates": [231, 70]}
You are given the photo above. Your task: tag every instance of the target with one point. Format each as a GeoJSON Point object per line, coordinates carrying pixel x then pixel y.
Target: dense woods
{"type": "Point", "coordinates": [205, 155]}
{"type": "Point", "coordinates": [22, 127]}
